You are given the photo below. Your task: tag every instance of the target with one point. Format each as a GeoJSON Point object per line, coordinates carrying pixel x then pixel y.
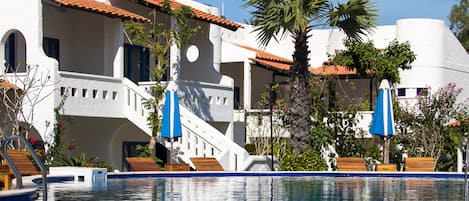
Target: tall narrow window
{"type": "Point", "coordinates": [136, 63]}
{"type": "Point", "coordinates": [237, 98]}
{"type": "Point", "coordinates": [51, 47]}
{"type": "Point", "coordinates": [10, 53]}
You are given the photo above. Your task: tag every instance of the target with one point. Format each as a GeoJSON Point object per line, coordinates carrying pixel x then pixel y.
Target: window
{"type": "Point", "coordinates": [15, 53]}
{"type": "Point", "coordinates": [136, 63]}
{"type": "Point", "coordinates": [51, 47]}
{"type": "Point", "coordinates": [236, 97]}
{"type": "Point", "coordinates": [401, 92]}
{"type": "Point", "coordinates": [422, 91]}
{"type": "Point", "coordinates": [10, 53]}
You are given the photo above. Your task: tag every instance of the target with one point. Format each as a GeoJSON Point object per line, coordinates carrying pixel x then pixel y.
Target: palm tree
{"type": "Point", "coordinates": [274, 18]}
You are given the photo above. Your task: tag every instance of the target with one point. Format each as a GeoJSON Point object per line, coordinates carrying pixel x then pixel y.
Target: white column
{"type": "Point", "coordinates": [174, 56]}
{"type": "Point", "coordinates": [215, 39]}
{"type": "Point", "coordinates": [247, 85]}
{"type": "Point", "coordinates": [118, 63]}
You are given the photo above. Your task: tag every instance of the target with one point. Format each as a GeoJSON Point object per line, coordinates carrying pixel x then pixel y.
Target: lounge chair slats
{"type": "Point", "coordinates": [351, 164]}
{"type": "Point", "coordinates": [142, 164]}
{"type": "Point", "coordinates": [23, 163]}
{"type": "Point", "coordinates": [386, 168]}
{"type": "Point", "coordinates": [420, 164]}
{"type": "Point", "coordinates": [206, 164]}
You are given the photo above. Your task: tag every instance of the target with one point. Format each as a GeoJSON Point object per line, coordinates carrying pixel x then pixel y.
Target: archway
{"type": "Point", "coordinates": [13, 52]}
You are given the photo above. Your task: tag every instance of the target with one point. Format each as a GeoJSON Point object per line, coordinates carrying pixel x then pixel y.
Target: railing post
{"type": "Point", "coordinates": [19, 179]}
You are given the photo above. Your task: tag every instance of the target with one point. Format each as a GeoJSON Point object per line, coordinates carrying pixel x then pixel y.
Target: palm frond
{"type": "Point", "coordinates": [355, 18]}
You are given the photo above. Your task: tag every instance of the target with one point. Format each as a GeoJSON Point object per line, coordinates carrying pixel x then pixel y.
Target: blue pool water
{"type": "Point", "coordinates": [271, 187]}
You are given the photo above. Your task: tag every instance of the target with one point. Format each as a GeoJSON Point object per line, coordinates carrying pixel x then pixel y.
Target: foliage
{"type": "Point", "coordinates": [250, 148]}
{"type": "Point", "coordinates": [26, 89]}
{"type": "Point", "coordinates": [334, 124]}
{"type": "Point", "coordinates": [158, 37]}
{"type": "Point", "coordinates": [368, 60]}
{"type": "Point", "coordinates": [260, 121]}
{"type": "Point", "coordinates": [145, 151]}
{"type": "Point", "coordinates": [56, 148]}
{"type": "Point", "coordinates": [309, 160]}
{"type": "Point", "coordinates": [298, 18]}
{"type": "Point", "coordinates": [459, 19]}
{"type": "Point", "coordinates": [424, 130]}
{"type": "Point", "coordinates": [80, 160]}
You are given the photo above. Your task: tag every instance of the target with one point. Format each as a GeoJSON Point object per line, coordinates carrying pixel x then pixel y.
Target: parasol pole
{"type": "Point", "coordinates": [171, 151]}
{"type": "Point", "coordinates": [386, 150]}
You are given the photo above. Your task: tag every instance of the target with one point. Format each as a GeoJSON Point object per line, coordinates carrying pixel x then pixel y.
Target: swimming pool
{"type": "Point", "coordinates": [259, 186]}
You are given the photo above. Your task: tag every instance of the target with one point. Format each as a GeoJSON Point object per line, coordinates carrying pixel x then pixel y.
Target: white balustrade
{"type": "Point", "coordinates": [101, 96]}
{"type": "Point", "coordinates": [91, 95]}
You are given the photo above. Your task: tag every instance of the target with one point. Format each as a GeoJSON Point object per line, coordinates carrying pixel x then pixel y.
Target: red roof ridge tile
{"type": "Point", "coordinates": [261, 54]}
{"type": "Point", "coordinates": [201, 15]}
{"type": "Point", "coordinates": [102, 8]}
{"type": "Point", "coordinates": [332, 70]}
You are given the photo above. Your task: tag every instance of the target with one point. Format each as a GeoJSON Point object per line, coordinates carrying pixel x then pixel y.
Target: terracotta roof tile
{"type": "Point", "coordinates": [332, 70]}
{"type": "Point", "coordinates": [281, 63]}
{"type": "Point", "coordinates": [267, 56]}
{"type": "Point", "coordinates": [277, 65]}
{"type": "Point", "coordinates": [201, 15]}
{"type": "Point", "coordinates": [101, 8]}
{"type": "Point", "coordinates": [268, 59]}
{"type": "Point", "coordinates": [7, 85]}
{"type": "Point", "coordinates": [458, 123]}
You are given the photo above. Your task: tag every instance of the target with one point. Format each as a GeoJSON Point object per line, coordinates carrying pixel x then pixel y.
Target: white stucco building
{"type": "Point", "coordinates": [440, 59]}
{"type": "Point", "coordinates": [80, 48]}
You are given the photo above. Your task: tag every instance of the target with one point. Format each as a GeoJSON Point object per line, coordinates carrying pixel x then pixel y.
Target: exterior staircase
{"type": "Point", "coordinates": [121, 98]}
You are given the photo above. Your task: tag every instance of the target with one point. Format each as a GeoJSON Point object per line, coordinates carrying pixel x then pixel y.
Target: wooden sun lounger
{"type": "Point", "coordinates": [386, 167]}
{"type": "Point", "coordinates": [142, 164]}
{"type": "Point", "coordinates": [206, 164]}
{"type": "Point", "coordinates": [5, 177]}
{"type": "Point", "coordinates": [351, 164]}
{"type": "Point", "coordinates": [24, 165]}
{"type": "Point", "coordinates": [420, 164]}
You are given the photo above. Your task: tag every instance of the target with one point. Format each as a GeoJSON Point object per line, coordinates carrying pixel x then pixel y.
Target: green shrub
{"type": "Point", "coordinates": [309, 160]}
{"type": "Point", "coordinates": [80, 160]}
{"type": "Point", "coordinates": [250, 148]}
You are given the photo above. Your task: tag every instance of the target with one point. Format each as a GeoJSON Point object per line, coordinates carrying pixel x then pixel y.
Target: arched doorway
{"type": "Point", "coordinates": [13, 45]}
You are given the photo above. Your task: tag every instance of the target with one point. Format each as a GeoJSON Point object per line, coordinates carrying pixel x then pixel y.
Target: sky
{"type": "Point", "coordinates": [389, 10]}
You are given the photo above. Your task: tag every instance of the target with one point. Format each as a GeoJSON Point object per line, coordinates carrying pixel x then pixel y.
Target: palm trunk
{"type": "Point", "coordinates": [300, 97]}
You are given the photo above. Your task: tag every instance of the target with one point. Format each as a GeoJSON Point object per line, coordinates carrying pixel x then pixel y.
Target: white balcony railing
{"type": "Point", "coordinates": [100, 96]}
{"type": "Point", "coordinates": [91, 95]}
{"type": "Point", "coordinates": [211, 102]}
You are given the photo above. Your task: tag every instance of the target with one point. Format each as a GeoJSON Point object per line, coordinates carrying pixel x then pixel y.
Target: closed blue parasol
{"type": "Point", "coordinates": [383, 117]}
{"type": "Point", "coordinates": [171, 128]}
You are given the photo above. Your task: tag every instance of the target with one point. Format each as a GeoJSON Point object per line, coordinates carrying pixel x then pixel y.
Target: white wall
{"type": "Point", "coordinates": [28, 21]}
{"type": "Point", "coordinates": [441, 59]}
{"type": "Point", "coordinates": [101, 137]}
{"type": "Point", "coordinates": [83, 38]}
{"type": "Point", "coordinates": [205, 63]}
{"type": "Point", "coordinates": [440, 56]}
